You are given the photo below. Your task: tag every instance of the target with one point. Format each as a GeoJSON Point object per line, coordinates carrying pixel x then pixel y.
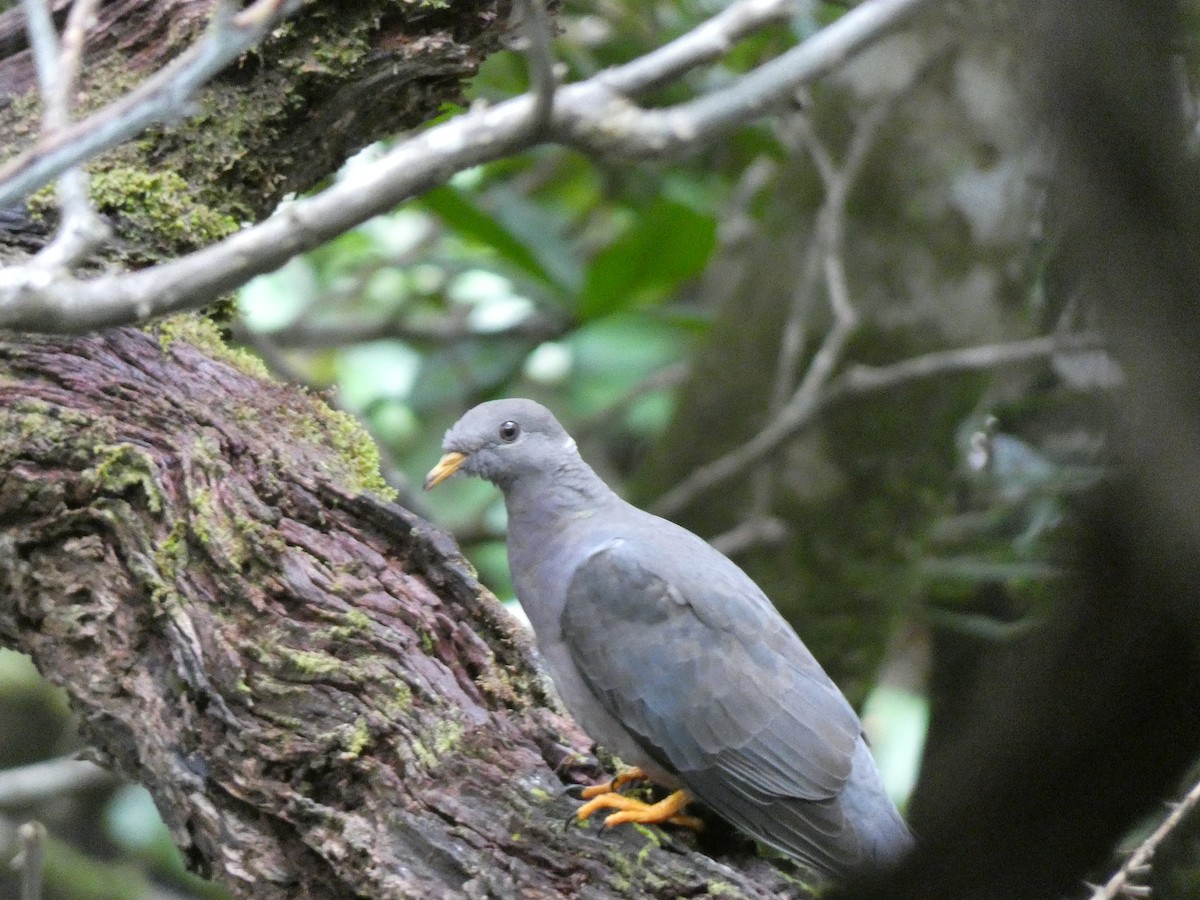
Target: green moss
{"type": "Point", "coordinates": [310, 662]}
{"type": "Point", "coordinates": [403, 698]}
{"type": "Point", "coordinates": [423, 754]}
{"type": "Point", "coordinates": [121, 467]}
{"type": "Point", "coordinates": [31, 423]}
{"type": "Point", "coordinates": [356, 456]}
{"type": "Point", "coordinates": [446, 736]}
{"type": "Point", "coordinates": [358, 624]}
{"type": "Point", "coordinates": [653, 842]}
{"type": "Point", "coordinates": [224, 539]}
{"type": "Point", "coordinates": [203, 334]}
{"type": "Point", "coordinates": [171, 556]}
{"type": "Point", "coordinates": [622, 866]}
{"type": "Point", "coordinates": [158, 210]}
{"type": "Point", "coordinates": [721, 889]}
{"type": "Point", "coordinates": [354, 739]}
{"type": "Point", "coordinates": [43, 204]}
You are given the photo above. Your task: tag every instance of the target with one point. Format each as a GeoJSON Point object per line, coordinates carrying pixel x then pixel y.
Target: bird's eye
{"type": "Point", "coordinates": [509, 431]}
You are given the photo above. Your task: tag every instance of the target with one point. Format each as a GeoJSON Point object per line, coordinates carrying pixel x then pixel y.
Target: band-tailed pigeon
{"type": "Point", "coordinates": [672, 658]}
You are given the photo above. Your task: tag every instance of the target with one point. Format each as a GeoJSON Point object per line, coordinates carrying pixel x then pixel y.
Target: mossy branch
{"type": "Point", "coordinates": [319, 695]}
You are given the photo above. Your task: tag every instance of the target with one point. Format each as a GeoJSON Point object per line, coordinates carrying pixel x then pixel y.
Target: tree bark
{"type": "Point", "coordinates": [319, 695]}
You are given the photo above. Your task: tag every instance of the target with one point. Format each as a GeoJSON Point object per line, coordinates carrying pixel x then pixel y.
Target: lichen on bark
{"type": "Point", "coordinates": [319, 695]}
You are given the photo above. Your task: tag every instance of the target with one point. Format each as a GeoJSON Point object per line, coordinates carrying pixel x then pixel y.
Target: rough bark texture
{"type": "Point", "coordinates": [321, 698]}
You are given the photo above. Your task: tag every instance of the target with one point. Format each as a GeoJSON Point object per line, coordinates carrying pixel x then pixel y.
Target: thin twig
{"type": "Point", "coordinates": [43, 39]}
{"type": "Point", "coordinates": [31, 859]}
{"type": "Point", "coordinates": [1118, 885]}
{"type": "Point", "coordinates": [858, 381]}
{"type": "Point", "coordinates": [667, 132]}
{"type": "Point", "coordinates": [828, 247]}
{"type": "Point", "coordinates": [81, 229]}
{"type": "Point", "coordinates": [705, 43]}
{"type": "Point", "coordinates": [827, 254]}
{"type": "Point", "coordinates": [757, 530]}
{"type": "Point", "coordinates": [540, 58]}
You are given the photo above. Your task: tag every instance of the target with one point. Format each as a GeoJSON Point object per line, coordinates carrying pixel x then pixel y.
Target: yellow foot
{"type": "Point", "coordinates": [626, 777]}
{"type": "Point", "coordinates": [666, 810]}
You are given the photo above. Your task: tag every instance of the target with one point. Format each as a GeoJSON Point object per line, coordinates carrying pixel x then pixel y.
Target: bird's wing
{"type": "Point", "coordinates": [715, 686]}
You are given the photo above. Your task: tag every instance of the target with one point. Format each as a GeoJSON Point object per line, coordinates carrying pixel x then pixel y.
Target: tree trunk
{"type": "Point", "coordinates": [319, 695]}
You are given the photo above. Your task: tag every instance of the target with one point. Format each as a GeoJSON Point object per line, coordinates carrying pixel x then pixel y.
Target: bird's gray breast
{"type": "Point", "coordinates": [541, 572]}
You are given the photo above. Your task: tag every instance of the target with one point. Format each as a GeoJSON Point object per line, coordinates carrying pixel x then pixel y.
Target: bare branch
{"type": "Point", "coordinates": [539, 56]}
{"type": "Point", "coordinates": [1118, 885]}
{"type": "Point", "coordinates": [638, 133]}
{"type": "Point", "coordinates": [43, 39]}
{"type": "Point", "coordinates": [857, 381]}
{"type": "Point", "coordinates": [866, 379]}
{"type": "Point", "coordinates": [704, 44]}
{"type": "Point", "coordinates": [756, 530]}
{"type": "Point", "coordinates": [828, 247]}
{"type": "Point", "coordinates": [38, 781]}
{"type": "Point", "coordinates": [81, 229]}
{"type": "Point", "coordinates": [308, 334]}
{"type": "Point", "coordinates": [31, 859]}
{"type": "Point", "coordinates": [587, 114]}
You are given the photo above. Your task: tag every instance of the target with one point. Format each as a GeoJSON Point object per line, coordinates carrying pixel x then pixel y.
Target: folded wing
{"type": "Point", "coordinates": [716, 687]}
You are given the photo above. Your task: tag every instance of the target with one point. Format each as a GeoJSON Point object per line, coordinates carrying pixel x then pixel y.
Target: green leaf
{"type": "Point", "coordinates": [541, 232]}
{"type": "Point", "coordinates": [667, 245]}
{"type": "Point", "coordinates": [466, 217]}
{"type": "Point", "coordinates": [614, 354]}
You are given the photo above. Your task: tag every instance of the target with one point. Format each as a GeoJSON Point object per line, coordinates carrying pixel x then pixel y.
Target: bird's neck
{"type": "Point", "coordinates": [547, 513]}
{"type": "Point", "coordinates": [556, 497]}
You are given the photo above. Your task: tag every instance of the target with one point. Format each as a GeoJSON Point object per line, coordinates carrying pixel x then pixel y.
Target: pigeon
{"type": "Point", "coordinates": [673, 659]}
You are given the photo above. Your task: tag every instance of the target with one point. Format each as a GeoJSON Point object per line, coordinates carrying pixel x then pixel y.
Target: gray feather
{"type": "Point", "coordinates": [716, 687]}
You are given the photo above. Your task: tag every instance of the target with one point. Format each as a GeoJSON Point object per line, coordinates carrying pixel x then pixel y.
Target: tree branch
{"type": "Point", "coordinates": [81, 229]}
{"type": "Point", "coordinates": [310, 682]}
{"type": "Point", "coordinates": [587, 115]}
{"type": "Point", "coordinates": [38, 781]}
{"type": "Point", "coordinates": [857, 381]}
{"type": "Point", "coordinates": [1139, 860]}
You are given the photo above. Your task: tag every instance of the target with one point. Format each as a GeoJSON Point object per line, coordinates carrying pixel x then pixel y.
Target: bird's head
{"type": "Point", "coordinates": [502, 440]}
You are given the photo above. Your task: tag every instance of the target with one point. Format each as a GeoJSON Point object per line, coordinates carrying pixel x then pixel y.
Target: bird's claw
{"type": "Point", "coordinates": [617, 783]}
{"type": "Point", "coordinates": [666, 811]}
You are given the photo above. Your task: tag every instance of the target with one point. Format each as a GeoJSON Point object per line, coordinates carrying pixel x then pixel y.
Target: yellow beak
{"type": "Point", "coordinates": [446, 466]}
